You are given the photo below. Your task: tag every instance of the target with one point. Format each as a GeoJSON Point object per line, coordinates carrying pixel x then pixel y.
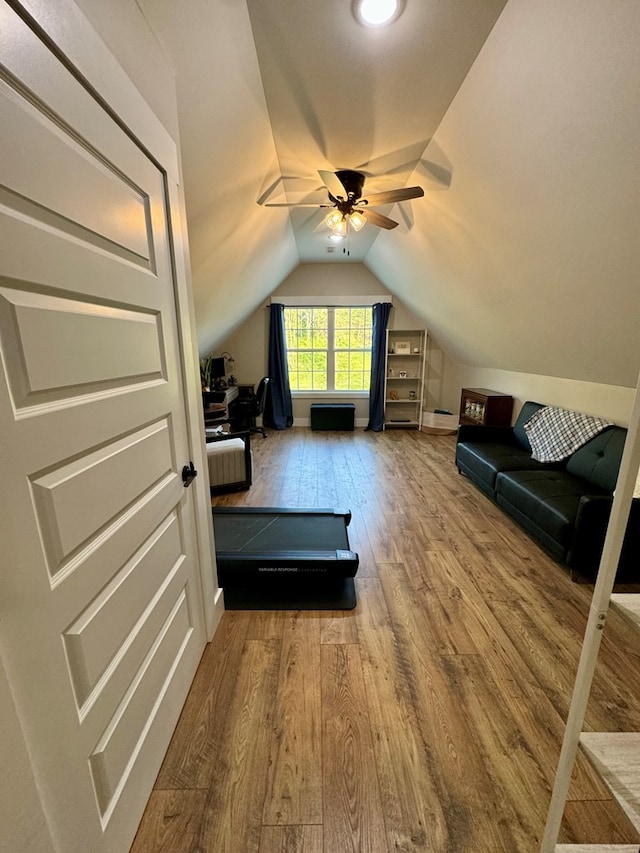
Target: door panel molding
{"type": "Point", "coordinates": [83, 362]}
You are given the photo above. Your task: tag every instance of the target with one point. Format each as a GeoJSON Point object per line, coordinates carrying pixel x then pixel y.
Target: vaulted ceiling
{"type": "Point", "coordinates": [520, 119]}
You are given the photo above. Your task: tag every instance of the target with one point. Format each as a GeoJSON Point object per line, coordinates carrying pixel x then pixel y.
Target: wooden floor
{"type": "Point", "coordinates": [428, 718]}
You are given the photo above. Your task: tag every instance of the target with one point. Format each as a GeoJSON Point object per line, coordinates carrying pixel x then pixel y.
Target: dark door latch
{"type": "Point", "coordinates": [189, 474]}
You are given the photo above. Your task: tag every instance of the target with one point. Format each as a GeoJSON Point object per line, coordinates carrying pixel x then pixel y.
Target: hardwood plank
{"type": "Point", "coordinates": [599, 821]}
{"type": "Point", "coordinates": [339, 626]}
{"type": "Point", "coordinates": [171, 822]}
{"type": "Point", "coordinates": [294, 787]}
{"type": "Point", "coordinates": [461, 771]}
{"type": "Point", "coordinates": [232, 818]}
{"type": "Point", "coordinates": [265, 624]}
{"type": "Point", "coordinates": [352, 816]}
{"type": "Point", "coordinates": [291, 839]}
{"type": "Point", "coordinates": [360, 543]}
{"type": "Point", "coordinates": [413, 816]}
{"type": "Point", "coordinates": [197, 738]}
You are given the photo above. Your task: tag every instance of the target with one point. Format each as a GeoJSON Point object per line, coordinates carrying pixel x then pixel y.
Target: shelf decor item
{"type": "Point", "coordinates": [402, 348]}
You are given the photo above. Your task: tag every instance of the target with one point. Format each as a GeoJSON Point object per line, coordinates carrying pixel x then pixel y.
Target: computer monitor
{"type": "Point", "coordinates": [217, 368]}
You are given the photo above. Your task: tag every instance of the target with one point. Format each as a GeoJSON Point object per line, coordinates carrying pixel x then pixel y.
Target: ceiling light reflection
{"type": "Point", "coordinates": [376, 13]}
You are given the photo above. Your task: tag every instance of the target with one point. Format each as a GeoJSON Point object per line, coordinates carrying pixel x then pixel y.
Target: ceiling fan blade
{"type": "Point", "coordinates": [333, 183]}
{"type": "Point", "coordinates": [378, 219]}
{"type": "Point", "coordinates": [296, 204]}
{"type": "Point", "coordinates": [392, 196]}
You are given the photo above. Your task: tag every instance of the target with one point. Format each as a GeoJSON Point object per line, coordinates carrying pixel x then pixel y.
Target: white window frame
{"type": "Point", "coordinates": [330, 303]}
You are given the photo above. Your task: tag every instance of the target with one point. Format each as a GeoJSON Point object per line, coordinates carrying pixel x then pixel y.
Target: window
{"type": "Point", "coordinates": [329, 349]}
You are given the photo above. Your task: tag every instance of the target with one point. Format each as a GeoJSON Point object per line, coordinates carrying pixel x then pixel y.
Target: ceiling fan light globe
{"type": "Point", "coordinates": [357, 220]}
{"type": "Point", "coordinates": [341, 228]}
{"type": "Point", "coordinates": [333, 218]}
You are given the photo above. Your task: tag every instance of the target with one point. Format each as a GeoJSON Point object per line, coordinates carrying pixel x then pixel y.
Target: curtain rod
{"type": "Point", "coordinates": [323, 304]}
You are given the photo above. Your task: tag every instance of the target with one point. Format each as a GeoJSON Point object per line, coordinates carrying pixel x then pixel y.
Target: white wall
{"type": "Point", "coordinates": [248, 344]}
{"type": "Point", "coordinates": [612, 402]}
{"type": "Point", "coordinates": [131, 40]}
{"type": "Point", "coordinates": [239, 251]}
{"type": "Point", "coordinates": [529, 260]}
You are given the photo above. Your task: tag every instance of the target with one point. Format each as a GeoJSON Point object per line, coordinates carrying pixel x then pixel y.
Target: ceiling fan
{"type": "Point", "coordinates": [345, 189]}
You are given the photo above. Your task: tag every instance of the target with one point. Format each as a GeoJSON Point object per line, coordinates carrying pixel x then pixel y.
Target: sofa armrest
{"type": "Point", "coordinates": [590, 531]}
{"type": "Point", "coordinates": [471, 432]}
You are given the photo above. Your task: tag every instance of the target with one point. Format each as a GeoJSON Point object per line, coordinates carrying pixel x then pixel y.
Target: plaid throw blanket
{"type": "Point", "coordinates": [555, 433]}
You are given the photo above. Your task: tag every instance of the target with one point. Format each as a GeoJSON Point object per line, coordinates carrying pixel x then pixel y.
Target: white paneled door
{"type": "Point", "coordinates": [101, 616]}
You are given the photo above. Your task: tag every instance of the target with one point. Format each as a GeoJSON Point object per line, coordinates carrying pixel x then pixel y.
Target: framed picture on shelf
{"type": "Point", "coordinates": [402, 347]}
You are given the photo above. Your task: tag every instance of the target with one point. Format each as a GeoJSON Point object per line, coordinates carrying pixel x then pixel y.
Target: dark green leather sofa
{"type": "Point", "coordinates": [564, 506]}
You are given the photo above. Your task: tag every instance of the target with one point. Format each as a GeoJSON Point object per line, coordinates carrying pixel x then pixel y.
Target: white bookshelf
{"type": "Point", "coordinates": [404, 378]}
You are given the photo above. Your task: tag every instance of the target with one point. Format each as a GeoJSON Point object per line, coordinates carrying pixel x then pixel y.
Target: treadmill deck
{"type": "Point", "coordinates": [275, 558]}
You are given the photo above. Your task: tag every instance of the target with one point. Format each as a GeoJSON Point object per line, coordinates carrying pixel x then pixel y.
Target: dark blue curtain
{"type": "Point", "coordinates": [381, 311]}
{"type": "Point", "coordinates": [278, 411]}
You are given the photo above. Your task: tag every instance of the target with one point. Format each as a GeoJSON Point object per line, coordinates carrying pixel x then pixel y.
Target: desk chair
{"type": "Point", "coordinates": [246, 410]}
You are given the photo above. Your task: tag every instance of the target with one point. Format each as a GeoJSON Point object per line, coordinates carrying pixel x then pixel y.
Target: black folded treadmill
{"type": "Point", "coordinates": [270, 558]}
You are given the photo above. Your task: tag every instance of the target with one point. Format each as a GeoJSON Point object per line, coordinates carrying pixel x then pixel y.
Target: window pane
{"type": "Point", "coordinates": [341, 339]}
{"type": "Point", "coordinates": [357, 338]}
{"type": "Point", "coordinates": [320, 339]}
{"type": "Point", "coordinates": [308, 333]}
{"type": "Point", "coordinates": [342, 361]}
{"type": "Point", "coordinates": [320, 361]}
{"type": "Point", "coordinates": [305, 361]}
{"type": "Point", "coordinates": [342, 318]}
{"type": "Point", "coordinates": [342, 382]}
{"type": "Point", "coordinates": [356, 361]}
{"type": "Point", "coordinates": [292, 364]}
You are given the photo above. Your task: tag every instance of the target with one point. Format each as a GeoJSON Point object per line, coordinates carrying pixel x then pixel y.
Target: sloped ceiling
{"type": "Point", "coordinates": [520, 121]}
{"type": "Point", "coordinates": [530, 262]}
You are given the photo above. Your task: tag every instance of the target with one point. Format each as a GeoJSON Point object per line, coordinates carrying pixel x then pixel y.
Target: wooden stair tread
{"type": "Point", "coordinates": [597, 848]}
{"type": "Point", "coordinates": [628, 605]}
{"type": "Point", "coordinates": [616, 757]}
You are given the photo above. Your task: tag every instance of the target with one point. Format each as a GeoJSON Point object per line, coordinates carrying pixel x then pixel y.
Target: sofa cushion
{"type": "Point", "coordinates": [486, 459]}
{"type": "Point", "coordinates": [598, 461]}
{"type": "Point", "coordinates": [528, 409]}
{"type": "Point", "coordinates": [548, 498]}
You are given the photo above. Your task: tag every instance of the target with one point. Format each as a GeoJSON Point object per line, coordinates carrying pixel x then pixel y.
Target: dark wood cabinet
{"type": "Point", "coordinates": [485, 407]}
